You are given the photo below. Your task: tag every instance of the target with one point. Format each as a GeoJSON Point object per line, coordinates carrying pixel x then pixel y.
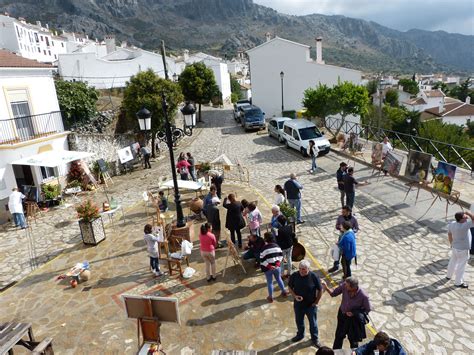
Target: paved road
{"type": "Point", "coordinates": [401, 263]}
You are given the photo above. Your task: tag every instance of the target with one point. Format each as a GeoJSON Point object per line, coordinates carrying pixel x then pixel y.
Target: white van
{"type": "Point", "coordinates": [298, 132]}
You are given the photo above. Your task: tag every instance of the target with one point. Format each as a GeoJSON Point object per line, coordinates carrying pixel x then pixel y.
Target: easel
{"type": "Point", "coordinates": [234, 254]}
{"type": "Point", "coordinates": [105, 176]}
{"type": "Point", "coordinates": [416, 184]}
{"type": "Point", "coordinates": [31, 210]}
{"type": "Point", "coordinates": [377, 165]}
{"type": "Point", "coordinates": [440, 195]}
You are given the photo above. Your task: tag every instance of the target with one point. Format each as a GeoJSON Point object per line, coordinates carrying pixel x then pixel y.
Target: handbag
{"type": "Point", "coordinates": [335, 252]}
{"type": "Point", "coordinates": [299, 252]}
{"type": "Point", "coordinates": [242, 222]}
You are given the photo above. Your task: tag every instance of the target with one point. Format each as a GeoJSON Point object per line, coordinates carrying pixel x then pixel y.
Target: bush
{"type": "Point", "coordinates": [50, 191]}
{"type": "Point", "coordinates": [87, 211]}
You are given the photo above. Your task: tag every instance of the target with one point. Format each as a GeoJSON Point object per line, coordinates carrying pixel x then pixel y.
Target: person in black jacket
{"type": "Point", "coordinates": [217, 180]}
{"type": "Point", "coordinates": [234, 221]}
{"type": "Point", "coordinates": [285, 238]}
{"type": "Point", "coordinates": [213, 217]}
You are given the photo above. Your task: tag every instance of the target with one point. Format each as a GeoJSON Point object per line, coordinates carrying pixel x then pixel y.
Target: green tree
{"type": "Point", "coordinates": [440, 85]}
{"type": "Point", "coordinates": [319, 102]}
{"type": "Point", "coordinates": [393, 118]}
{"type": "Point", "coordinates": [198, 84]}
{"type": "Point", "coordinates": [470, 129]}
{"type": "Point", "coordinates": [235, 89]}
{"type": "Point", "coordinates": [145, 90]}
{"type": "Point", "coordinates": [77, 101]}
{"type": "Point", "coordinates": [410, 86]}
{"type": "Point", "coordinates": [349, 99]}
{"type": "Point", "coordinates": [444, 132]}
{"type": "Point", "coordinates": [372, 87]}
{"type": "Point", "coordinates": [462, 91]}
{"type": "Point", "coordinates": [391, 97]}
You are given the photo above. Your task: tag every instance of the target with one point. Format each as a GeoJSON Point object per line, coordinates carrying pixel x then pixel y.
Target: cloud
{"type": "Point", "coordinates": [450, 16]}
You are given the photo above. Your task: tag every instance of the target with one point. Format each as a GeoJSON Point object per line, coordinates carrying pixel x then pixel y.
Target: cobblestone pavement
{"type": "Point", "coordinates": [401, 263]}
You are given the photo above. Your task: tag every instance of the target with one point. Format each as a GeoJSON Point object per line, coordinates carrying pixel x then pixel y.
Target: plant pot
{"type": "Point", "coordinates": [92, 232]}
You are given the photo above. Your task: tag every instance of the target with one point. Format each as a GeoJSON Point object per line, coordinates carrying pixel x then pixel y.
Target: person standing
{"type": "Point", "coordinates": [285, 237]}
{"type": "Point", "coordinates": [279, 195]}
{"type": "Point", "coordinates": [306, 289]}
{"type": "Point", "coordinates": [211, 212]}
{"type": "Point", "coordinates": [152, 248]}
{"type": "Point", "coordinates": [183, 168]}
{"type": "Point", "coordinates": [459, 236]}
{"type": "Point", "coordinates": [208, 199]}
{"type": "Point", "coordinates": [352, 315]}
{"type": "Point", "coordinates": [255, 219]}
{"type": "Point", "coordinates": [293, 193]}
{"type": "Point", "coordinates": [270, 260]}
{"type": "Point", "coordinates": [15, 205]}
{"type": "Point", "coordinates": [208, 245]}
{"type": "Point", "coordinates": [192, 168]}
{"type": "Point", "coordinates": [274, 224]}
{"type": "Point", "coordinates": [145, 151]}
{"type": "Point", "coordinates": [347, 245]}
{"type": "Point", "coordinates": [349, 187]}
{"type": "Point", "coordinates": [386, 147]}
{"type": "Point", "coordinates": [234, 220]}
{"type": "Point", "coordinates": [313, 152]}
{"type": "Point", "coordinates": [340, 181]}
{"type": "Point", "coordinates": [217, 180]}
{"type": "Point", "coordinates": [346, 215]}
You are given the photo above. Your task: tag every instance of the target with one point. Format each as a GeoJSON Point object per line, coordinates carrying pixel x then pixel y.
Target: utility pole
{"type": "Point", "coordinates": [379, 121]}
{"type": "Point", "coordinates": [163, 56]}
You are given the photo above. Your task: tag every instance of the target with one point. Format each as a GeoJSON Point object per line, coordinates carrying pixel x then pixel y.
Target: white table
{"type": "Point", "coordinates": [110, 213]}
{"type": "Point", "coordinates": [183, 185]}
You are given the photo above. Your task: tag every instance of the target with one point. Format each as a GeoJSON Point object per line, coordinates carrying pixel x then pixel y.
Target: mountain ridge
{"type": "Point", "coordinates": [225, 26]}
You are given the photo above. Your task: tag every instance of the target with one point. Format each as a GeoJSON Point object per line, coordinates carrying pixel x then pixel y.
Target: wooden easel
{"type": "Point", "coordinates": [234, 254]}
{"type": "Point", "coordinates": [415, 185]}
{"type": "Point", "coordinates": [438, 195]}
{"type": "Point", "coordinates": [106, 178]}
{"type": "Point", "coordinates": [31, 210]}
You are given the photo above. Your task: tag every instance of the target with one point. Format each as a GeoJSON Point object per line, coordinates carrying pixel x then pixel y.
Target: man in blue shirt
{"type": "Point", "coordinates": [383, 344]}
{"type": "Point", "coordinates": [293, 194]}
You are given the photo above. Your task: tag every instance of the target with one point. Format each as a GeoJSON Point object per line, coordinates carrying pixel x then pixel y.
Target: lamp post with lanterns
{"type": "Point", "coordinates": [144, 121]}
{"type": "Point", "coordinates": [282, 75]}
{"type": "Point", "coordinates": [189, 117]}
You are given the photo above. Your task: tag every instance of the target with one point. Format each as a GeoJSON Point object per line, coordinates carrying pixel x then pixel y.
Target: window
{"type": "Point", "coordinates": [21, 111]}
{"type": "Point", "coordinates": [36, 38]}
{"type": "Point", "coordinates": [47, 172]}
{"type": "Point", "coordinates": [39, 50]}
{"type": "Point", "coordinates": [41, 37]}
{"type": "Point", "coordinates": [44, 52]}
{"type": "Point", "coordinates": [47, 41]}
{"type": "Point", "coordinates": [287, 130]}
{"type": "Point", "coordinates": [295, 135]}
{"type": "Point", "coordinates": [55, 56]}
{"type": "Point", "coordinates": [18, 31]}
{"type": "Point", "coordinates": [62, 44]}
{"type": "Point", "coordinates": [49, 52]}
{"type": "Point", "coordinates": [52, 43]}
{"type": "Point", "coordinates": [273, 124]}
{"type": "Point", "coordinates": [309, 133]}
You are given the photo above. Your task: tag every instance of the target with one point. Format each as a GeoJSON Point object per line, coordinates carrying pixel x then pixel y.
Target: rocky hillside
{"type": "Point", "coordinates": [225, 26]}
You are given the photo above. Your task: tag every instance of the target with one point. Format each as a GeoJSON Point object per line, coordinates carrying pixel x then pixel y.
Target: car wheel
{"type": "Point", "coordinates": [303, 152]}
{"type": "Point", "coordinates": [280, 139]}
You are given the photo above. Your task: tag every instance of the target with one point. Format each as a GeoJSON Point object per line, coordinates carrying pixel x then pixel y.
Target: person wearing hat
{"type": "Point", "coordinates": [213, 218]}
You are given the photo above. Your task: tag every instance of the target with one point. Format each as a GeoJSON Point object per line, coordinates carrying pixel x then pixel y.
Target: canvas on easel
{"type": "Point", "coordinates": [418, 165]}
{"type": "Point", "coordinates": [392, 163]}
{"type": "Point", "coordinates": [444, 177]}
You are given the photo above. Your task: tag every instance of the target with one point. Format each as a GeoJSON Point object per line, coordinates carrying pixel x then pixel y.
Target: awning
{"type": "Point", "coordinates": [222, 159]}
{"type": "Point", "coordinates": [52, 158]}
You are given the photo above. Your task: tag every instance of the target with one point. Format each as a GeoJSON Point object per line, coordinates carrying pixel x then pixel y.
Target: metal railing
{"type": "Point", "coordinates": [441, 151]}
{"type": "Point", "coordinates": [21, 129]}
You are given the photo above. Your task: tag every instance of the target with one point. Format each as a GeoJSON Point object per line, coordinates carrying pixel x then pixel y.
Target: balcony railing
{"type": "Point", "coordinates": [441, 151]}
{"type": "Point", "coordinates": [26, 128]}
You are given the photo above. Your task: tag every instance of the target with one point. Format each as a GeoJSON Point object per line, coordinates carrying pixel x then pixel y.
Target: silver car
{"type": "Point", "coordinates": [275, 127]}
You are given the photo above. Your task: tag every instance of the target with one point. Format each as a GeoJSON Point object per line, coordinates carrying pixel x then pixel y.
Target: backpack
{"type": "Point", "coordinates": [183, 170]}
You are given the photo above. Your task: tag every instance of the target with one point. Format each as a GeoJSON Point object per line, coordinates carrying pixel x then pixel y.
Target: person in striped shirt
{"type": "Point", "coordinates": [271, 257]}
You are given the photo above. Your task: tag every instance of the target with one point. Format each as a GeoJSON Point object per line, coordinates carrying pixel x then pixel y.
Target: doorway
{"type": "Point", "coordinates": [23, 175]}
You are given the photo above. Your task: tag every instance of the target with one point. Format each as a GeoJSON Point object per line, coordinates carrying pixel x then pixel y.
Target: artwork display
{"type": "Point", "coordinates": [125, 155]}
{"type": "Point", "coordinates": [444, 177]}
{"type": "Point", "coordinates": [135, 147]}
{"type": "Point", "coordinates": [353, 143]}
{"type": "Point", "coordinates": [102, 165]}
{"type": "Point", "coordinates": [418, 165]}
{"type": "Point", "coordinates": [377, 152]}
{"type": "Point", "coordinates": [392, 163]}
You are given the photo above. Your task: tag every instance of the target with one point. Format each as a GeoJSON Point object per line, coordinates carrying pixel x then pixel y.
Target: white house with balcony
{"type": "Point", "coordinates": [299, 72]}
{"type": "Point", "coordinates": [31, 41]}
{"type": "Point", "coordinates": [30, 123]}
{"type": "Point", "coordinates": [425, 99]}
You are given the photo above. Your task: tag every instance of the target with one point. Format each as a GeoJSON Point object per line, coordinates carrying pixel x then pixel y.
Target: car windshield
{"type": "Point", "coordinates": [253, 113]}
{"type": "Point", "coordinates": [309, 133]}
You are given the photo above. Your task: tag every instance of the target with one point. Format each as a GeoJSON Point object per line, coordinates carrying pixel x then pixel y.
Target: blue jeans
{"type": "Point", "coordinates": [313, 163]}
{"type": "Point", "coordinates": [192, 172]}
{"type": "Point", "coordinates": [154, 264]}
{"type": "Point", "coordinates": [269, 275]}
{"type": "Point", "coordinates": [251, 254]}
{"type": "Point", "coordinates": [19, 219]}
{"type": "Point", "coordinates": [287, 256]}
{"type": "Point", "coordinates": [311, 313]}
{"type": "Point", "coordinates": [296, 203]}
{"type": "Point", "coordinates": [350, 197]}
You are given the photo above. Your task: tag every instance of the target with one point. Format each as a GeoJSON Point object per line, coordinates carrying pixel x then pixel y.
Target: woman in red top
{"type": "Point", "coordinates": [183, 168]}
{"type": "Point", "coordinates": [208, 247]}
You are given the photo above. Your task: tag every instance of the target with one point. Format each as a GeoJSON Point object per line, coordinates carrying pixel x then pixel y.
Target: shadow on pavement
{"type": "Point", "coordinates": [285, 348]}
{"type": "Point", "coordinates": [433, 267]}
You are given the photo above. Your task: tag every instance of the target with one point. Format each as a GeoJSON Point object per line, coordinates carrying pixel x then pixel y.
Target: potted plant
{"type": "Point", "coordinates": [51, 193]}
{"type": "Point", "coordinates": [90, 223]}
{"type": "Point", "coordinates": [203, 168]}
{"type": "Point", "coordinates": [290, 214]}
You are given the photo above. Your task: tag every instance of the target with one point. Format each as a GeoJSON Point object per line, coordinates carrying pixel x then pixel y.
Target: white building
{"type": "Point", "coordinates": [30, 41]}
{"type": "Point", "coordinates": [112, 70]}
{"type": "Point", "coordinates": [301, 72]}
{"type": "Point", "coordinates": [425, 99]}
{"type": "Point", "coordinates": [218, 67]}
{"type": "Point", "coordinates": [453, 111]}
{"type": "Point", "coordinates": [30, 122]}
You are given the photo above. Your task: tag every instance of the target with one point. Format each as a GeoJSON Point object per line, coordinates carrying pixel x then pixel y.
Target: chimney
{"type": "Point", "coordinates": [185, 55]}
{"type": "Point", "coordinates": [110, 43]}
{"type": "Point", "coordinates": [38, 23]}
{"type": "Point", "coordinates": [268, 37]}
{"type": "Point", "coordinates": [47, 26]}
{"type": "Point", "coordinates": [319, 50]}
{"type": "Point", "coordinates": [468, 100]}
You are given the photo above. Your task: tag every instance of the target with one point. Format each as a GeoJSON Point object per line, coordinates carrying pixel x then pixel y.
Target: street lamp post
{"type": "Point", "coordinates": [282, 75]}
{"type": "Point", "coordinates": [409, 133]}
{"type": "Point", "coordinates": [189, 115]}
{"type": "Point", "coordinates": [144, 121]}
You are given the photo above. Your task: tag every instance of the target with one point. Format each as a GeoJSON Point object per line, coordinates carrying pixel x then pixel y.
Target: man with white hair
{"type": "Point", "coordinates": [15, 205]}
{"type": "Point", "coordinates": [293, 194]}
{"type": "Point", "coordinates": [306, 289]}
{"type": "Point", "coordinates": [275, 214]}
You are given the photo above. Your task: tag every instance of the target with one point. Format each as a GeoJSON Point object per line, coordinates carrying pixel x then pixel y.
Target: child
{"type": "Point", "coordinates": [255, 219]}
{"type": "Point", "coordinates": [163, 202]}
{"type": "Point", "coordinates": [152, 247]}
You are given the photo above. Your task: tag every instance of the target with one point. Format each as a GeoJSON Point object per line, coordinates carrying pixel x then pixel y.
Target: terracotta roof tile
{"type": "Point", "coordinates": [11, 60]}
{"type": "Point", "coordinates": [453, 109]}
{"type": "Point", "coordinates": [434, 93]}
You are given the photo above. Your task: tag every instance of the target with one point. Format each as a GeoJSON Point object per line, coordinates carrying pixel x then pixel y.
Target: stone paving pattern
{"type": "Point", "coordinates": [402, 265]}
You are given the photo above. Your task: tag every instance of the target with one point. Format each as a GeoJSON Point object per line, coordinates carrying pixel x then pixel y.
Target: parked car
{"type": "Point", "coordinates": [298, 132]}
{"type": "Point", "coordinates": [275, 127]}
{"type": "Point", "coordinates": [252, 117]}
{"type": "Point", "coordinates": [237, 106]}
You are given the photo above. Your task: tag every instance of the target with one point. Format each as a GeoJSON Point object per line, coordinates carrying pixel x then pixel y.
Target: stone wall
{"type": "Point", "coordinates": [104, 146]}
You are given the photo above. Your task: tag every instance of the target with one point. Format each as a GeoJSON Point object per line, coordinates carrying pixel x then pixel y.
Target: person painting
{"type": "Point", "coordinates": [15, 206]}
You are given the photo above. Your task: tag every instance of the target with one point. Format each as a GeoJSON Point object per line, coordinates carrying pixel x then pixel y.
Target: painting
{"type": "Point", "coordinates": [392, 163]}
{"type": "Point", "coordinates": [377, 150]}
{"type": "Point", "coordinates": [125, 155]}
{"type": "Point", "coordinates": [444, 177]}
{"type": "Point", "coordinates": [418, 166]}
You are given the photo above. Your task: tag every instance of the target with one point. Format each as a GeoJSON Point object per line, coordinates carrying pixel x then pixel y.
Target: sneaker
{"type": "Point", "coordinates": [270, 299]}
{"type": "Point", "coordinates": [209, 279]}
{"type": "Point", "coordinates": [300, 222]}
{"type": "Point", "coordinates": [463, 285]}
{"type": "Point", "coordinates": [447, 278]}
{"type": "Point", "coordinates": [284, 294]}
{"type": "Point", "coordinates": [297, 338]}
{"type": "Point", "coordinates": [213, 278]}
{"type": "Point", "coordinates": [333, 269]}
{"type": "Point", "coordinates": [158, 273]}
{"type": "Point", "coordinates": [316, 343]}
{"type": "Point", "coordinates": [310, 171]}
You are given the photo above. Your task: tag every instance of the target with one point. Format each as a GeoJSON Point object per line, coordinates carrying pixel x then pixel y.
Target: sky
{"type": "Point", "coordinates": [448, 15]}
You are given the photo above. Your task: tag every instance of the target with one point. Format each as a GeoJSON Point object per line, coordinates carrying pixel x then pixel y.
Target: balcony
{"type": "Point", "coordinates": [22, 129]}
